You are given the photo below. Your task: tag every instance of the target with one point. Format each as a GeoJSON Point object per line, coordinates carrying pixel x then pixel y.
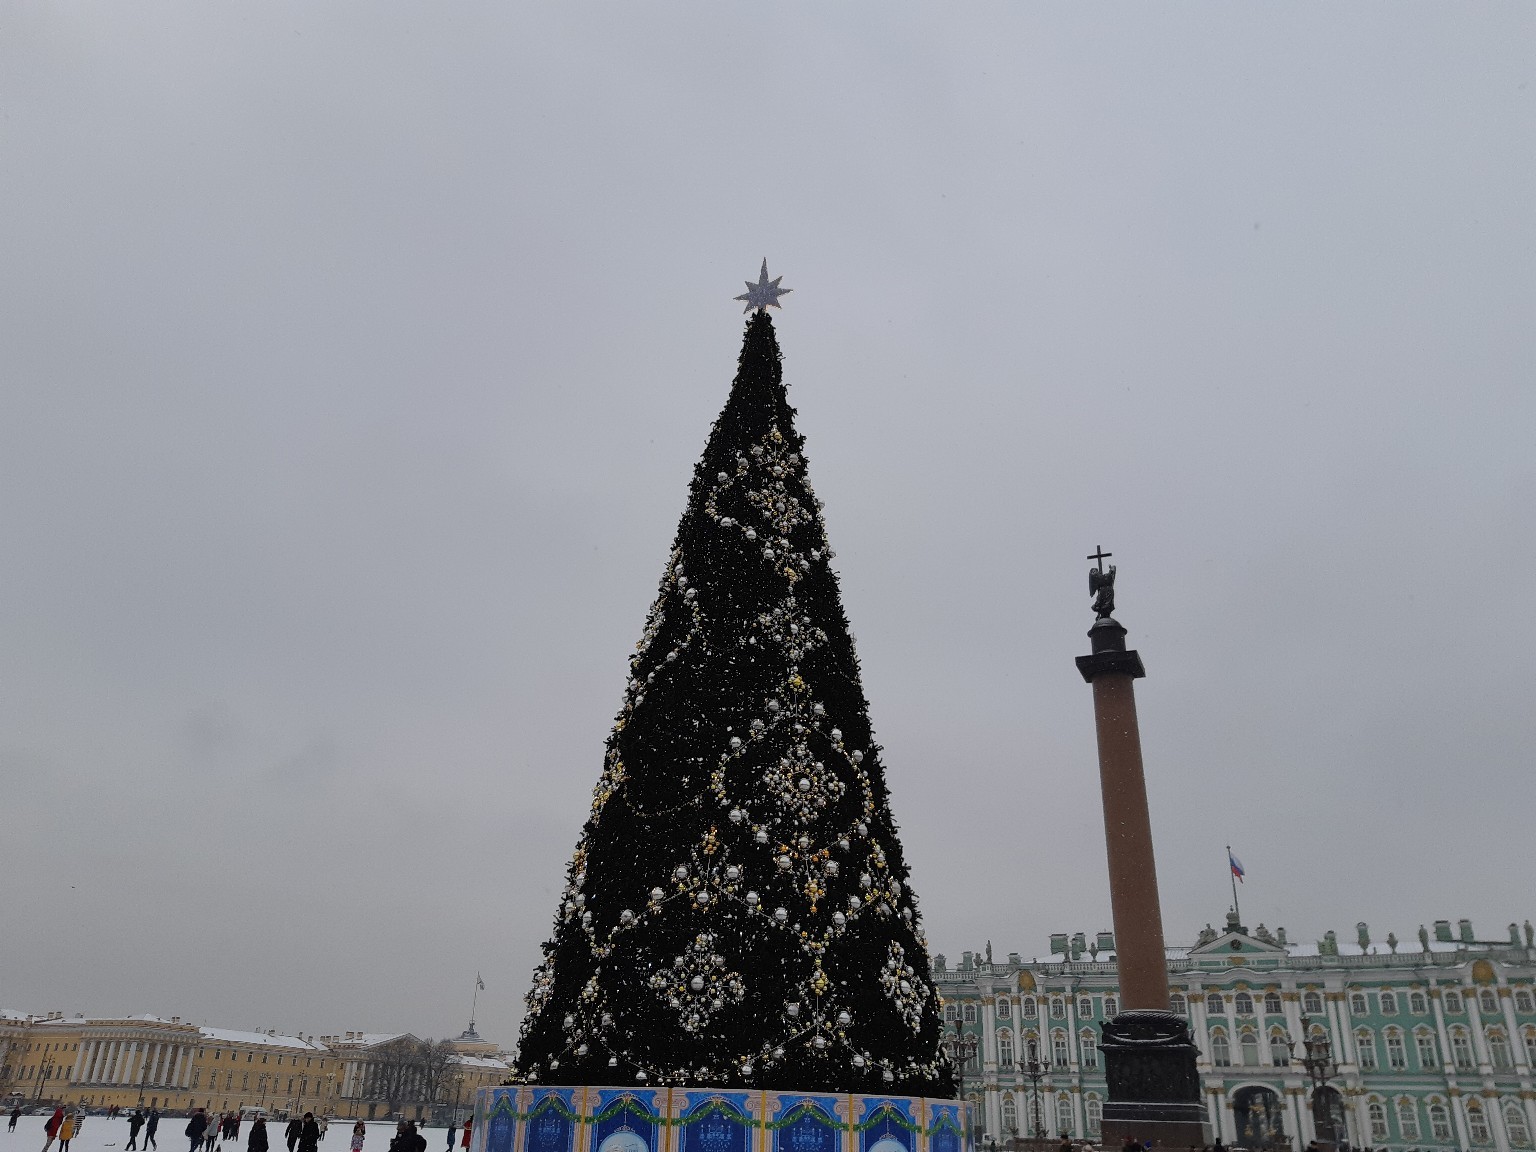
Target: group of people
{"type": "Point", "coordinates": [204, 1131]}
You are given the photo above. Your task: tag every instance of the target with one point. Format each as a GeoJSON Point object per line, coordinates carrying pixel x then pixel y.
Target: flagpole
{"type": "Point", "coordinates": [474, 1001]}
{"type": "Point", "coordinates": [1232, 875]}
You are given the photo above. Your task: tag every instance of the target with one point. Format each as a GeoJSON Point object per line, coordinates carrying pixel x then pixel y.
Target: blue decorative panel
{"type": "Point", "coordinates": [714, 1122]}
{"type": "Point", "coordinates": [806, 1123]}
{"type": "Point", "coordinates": [885, 1124]}
{"type": "Point", "coordinates": [550, 1125]}
{"type": "Point", "coordinates": [625, 1119]}
{"type": "Point", "coordinates": [943, 1127]}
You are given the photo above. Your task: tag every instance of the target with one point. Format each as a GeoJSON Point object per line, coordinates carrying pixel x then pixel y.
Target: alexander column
{"type": "Point", "coordinates": [1149, 1058]}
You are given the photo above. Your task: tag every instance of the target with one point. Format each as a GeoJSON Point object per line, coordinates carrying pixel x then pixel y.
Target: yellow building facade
{"type": "Point", "coordinates": [151, 1062]}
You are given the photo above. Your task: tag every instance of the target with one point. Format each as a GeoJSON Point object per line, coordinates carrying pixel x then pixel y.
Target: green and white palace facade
{"type": "Point", "coordinates": [1434, 1040]}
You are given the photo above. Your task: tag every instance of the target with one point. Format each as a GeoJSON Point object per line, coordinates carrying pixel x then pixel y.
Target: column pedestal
{"type": "Point", "coordinates": [1154, 1087]}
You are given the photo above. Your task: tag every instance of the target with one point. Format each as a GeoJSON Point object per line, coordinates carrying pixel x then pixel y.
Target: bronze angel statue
{"type": "Point", "coordinates": [1101, 586]}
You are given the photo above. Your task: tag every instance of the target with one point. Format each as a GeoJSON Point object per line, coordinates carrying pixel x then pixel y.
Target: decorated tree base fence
{"type": "Point", "coordinates": [588, 1118]}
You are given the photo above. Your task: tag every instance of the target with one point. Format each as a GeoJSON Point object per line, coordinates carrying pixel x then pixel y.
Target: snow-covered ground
{"type": "Point", "coordinates": [103, 1135]}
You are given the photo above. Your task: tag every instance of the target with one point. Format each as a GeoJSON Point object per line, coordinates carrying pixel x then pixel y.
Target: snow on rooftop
{"type": "Point", "coordinates": [229, 1036]}
{"type": "Point", "coordinates": [480, 1062]}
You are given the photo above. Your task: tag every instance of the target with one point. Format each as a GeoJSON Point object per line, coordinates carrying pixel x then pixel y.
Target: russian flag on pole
{"type": "Point", "coordinates": [1237, 865]}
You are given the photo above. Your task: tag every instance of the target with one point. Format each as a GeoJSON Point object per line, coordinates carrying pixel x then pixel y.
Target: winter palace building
{"type": "Point", "coordinates": [1434, 1041]}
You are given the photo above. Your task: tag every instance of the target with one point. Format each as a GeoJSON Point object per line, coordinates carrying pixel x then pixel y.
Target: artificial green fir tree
{"type": "Point", "coordinates": [737, 912]}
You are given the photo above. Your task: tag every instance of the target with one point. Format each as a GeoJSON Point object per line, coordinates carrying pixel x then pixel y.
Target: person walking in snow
{"type": "Point", "coordinates": [195, 1129]}
{"type": "Point", "coordinates": [135, 1122]}
{"type": "Point", "coordinates": [359, 1134]}
{"type": "Point", "coordinates": [15, 1116]}
{"type": "Point", "coordinates": [291, 1133]}
{"type": "Point", "coordinates": [67, 1131]}
{"type": "Point", "coordinates": [151, 1124]}
{"type": "Point", "coordinates": [51, 1128]}
{"type": "Point", "coordinates": [257, 1140]}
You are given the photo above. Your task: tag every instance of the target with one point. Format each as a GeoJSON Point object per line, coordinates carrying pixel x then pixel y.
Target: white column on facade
{"type": "Point", "coordinates": [1306, 1126]}
{"type": "Point", "coordinates": [1493, 1108]}
{"type": "Point", "coordinates": [1199, 1026]}
{"type": "Point", "coordinates": [1363, 1122]}
{"type": "Point", "coordinates": [114, 1054]}
{"type": "Point", "coordinates": [1459, 1114]}
{"type": "Point", "coordinates": [1441, 1032]}
{"type": "Point", "coordinates": [79, 1065]}
{"type": "Point", "coordinates": [1529, 1099]}
{"type": "Point", "coordinates": [1074, 1062]}
{"type": "Point", "coordinates": [1228, 1120]}
{"type": "Point", "coordinates": [1347, 1027]}
{"type": "Point", "coordinates": [1079, 1118]}
{"type": "Point", "coordinates": [99, 1051]}
{"type": "Point", "coordinates": [1293, 1102]}
{"type": "Point", "coordinates": [1475, 1016]}
{"type": "Point", "coordinates": [1512, 1027]}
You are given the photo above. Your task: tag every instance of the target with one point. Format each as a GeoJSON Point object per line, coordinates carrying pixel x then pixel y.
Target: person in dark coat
{"type": "Point", "coordinates": [257, 1140]}
{"type": "Point", "coordinates": [151, 1125]}
{"type": "Point", "coordinates": [135, 1122]}
{"type": "Point", "coordinates": [418, 1141]}
{"type": "Point", "coordinates": [291, 1133]}
{"type": "Point", "coordinates": [453, 1130]}
{"type": "Point", "coordinates": [195, 1129]}
{"type": "Point", "coordinates": [15, 1116]}
{"type": "Point", "coordinates": [309, 1134]}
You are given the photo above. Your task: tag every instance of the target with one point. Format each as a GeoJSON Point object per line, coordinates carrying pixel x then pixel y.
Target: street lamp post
{"type": "Point", "coordinates": [44, 1074]}
{"type": "Point", "coordinates": [961, 1048]}
{"type": "Point", "coordinates": [1321, 1067]}
{"type": "Point", "coordinates": [1035, 1070]}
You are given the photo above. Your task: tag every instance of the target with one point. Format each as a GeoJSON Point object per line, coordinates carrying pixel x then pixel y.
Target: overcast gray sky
{"type": "Point", "coordinates": [356, 357]}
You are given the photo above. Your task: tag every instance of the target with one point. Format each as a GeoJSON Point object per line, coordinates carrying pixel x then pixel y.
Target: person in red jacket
{"type": "Point", "coordinates": [465, 1143]}
{"type": "Point", "coordinates": [52, 1127]}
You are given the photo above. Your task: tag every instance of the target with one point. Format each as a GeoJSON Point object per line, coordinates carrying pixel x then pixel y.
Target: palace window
{"type": "Point", "coordinates": [1498, 1049]}
{"type": "Point", "coordinates": [1429, 1051]}
{"type": "Point", "coordinates": [1005, 1049]}
{"type": "Point", "coordinates": [1408, 1119]}
{"type": "Point", "coordinates": [1530, 1046]}
{"type": "Point", "coordinates": [949, 1013]}
{"type": "Point", "coordinates": [1461, 1050]}
{"type": "Point", "coordinates": [1477, 1123]}
{"type": "Point", "coordinates": [1058, 1008]}
{"type": "Point", "coordinates": [1178, 1005]}
{"type": "Point", "coordinates": [1453, 1002]}
{"type": "Point", "coordinates": [1005, 1009]}
{"type": "Point", "coordinates": [1088, 1048]}
{"type": "Point", "coordinates": [1388, 1004]}
{"type": "Point", "coordinates": [1214, 1005]}
{"type": "Point", "coordinates": [229, 1081]}
{"type": "Point", "coordinates": [1063, 1114]}
{"type": "Point", "coordinates": [1221, 1051]}
{"type": "Point", "coordinates": [1242, 1004]}
{"type": "Point", "coordinates": [1439, 1121]}
{"type": "Point", "coordinates": [1111, 1007]}
{"type": "Point", "coordinates": [1514, 1124]}
{"type": "Point", "coordinates": [1365, 1045]}
{"type": "Point", "coordinates": [1095, 1113]}
{"type": "Point", "coordinates": [1084, 1009]}
{"type": "Point", "coordinates": [197, 1075]}
{"type": "Point", "coordinates": [245, 1082]}
{"type": "Point", "coordinates": [1378, 1115]}
{"type": "Point", "coordinates": [1489, 1001]}
{"type": "Point", "coordinates": [1397, 1055]}
{"type": "Point", "coordinates": [1523, 1001]}
{"type": "Point", "coordinates": [1029, 1007]}
{"type": "Point", "coordinates": [1357, 1005]}
{"type": "Point", "coordinates": [1272, 1005]}
{"type": "Point", "coordinates": [1010, 1115]}
{"type": "Point", "coordinates": [1249, 1041]}
{"type": "Point", "coordinates": [1312, 1003]}
{"type": "Point", "coordinates": [970, 1013]}
{"type": "Point", "coordinates": [1416, 1003]}
{"type": "Point", "coordinates": [1059, 1049]}
{"type": "Point", "coordinates": [1279, 1051]}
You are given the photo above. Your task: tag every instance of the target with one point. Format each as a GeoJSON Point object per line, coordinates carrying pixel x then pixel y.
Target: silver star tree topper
{"type": "Point", "coordinates": [765, 293]}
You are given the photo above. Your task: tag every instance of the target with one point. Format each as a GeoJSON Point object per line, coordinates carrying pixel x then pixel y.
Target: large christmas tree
{"type": "Point", "coordinates": [737, 912]}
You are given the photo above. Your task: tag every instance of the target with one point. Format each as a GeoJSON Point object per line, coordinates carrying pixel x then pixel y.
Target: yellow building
{"type": "Point", "coordinates": [147, 1061]}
